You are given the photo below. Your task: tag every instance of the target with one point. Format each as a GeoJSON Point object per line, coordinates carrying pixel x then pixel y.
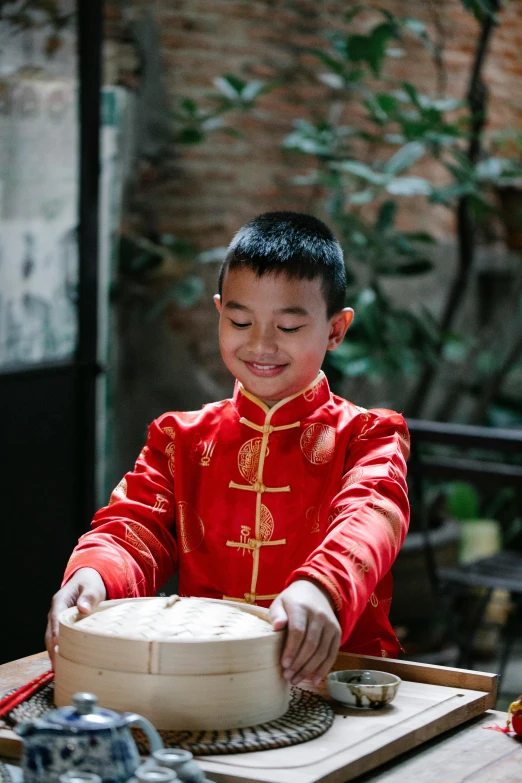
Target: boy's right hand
{"type": "Point", "coordinates": [85, 589]}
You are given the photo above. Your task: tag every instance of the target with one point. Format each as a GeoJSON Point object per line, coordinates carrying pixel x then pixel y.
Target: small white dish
{"type": "Point", "coordinates": [354, 688]}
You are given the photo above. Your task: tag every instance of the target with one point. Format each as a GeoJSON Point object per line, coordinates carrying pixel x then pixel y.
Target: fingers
{"type": "Point", "coordinates": [85, 590]}
{"type": "Point", "coordinates": [88, 601]}
{"type": "Point", "coordinates": [297, 627]}
{"type": "Point", "coordinates": [277, 615]}
{"type": "Point", "coordinates": [51, 634]}
{"type": "Point", "coordinates": [321, 662]}
{"type": "Point", "coordinates": [316, 651]}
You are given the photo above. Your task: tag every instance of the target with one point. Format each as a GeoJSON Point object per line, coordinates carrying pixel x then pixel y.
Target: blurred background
{"type": "Point", "coordinates": [137, 137]}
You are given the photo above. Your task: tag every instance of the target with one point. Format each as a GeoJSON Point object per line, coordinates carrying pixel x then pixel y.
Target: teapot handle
{"type": "Point", "coordinates": [154, 738]}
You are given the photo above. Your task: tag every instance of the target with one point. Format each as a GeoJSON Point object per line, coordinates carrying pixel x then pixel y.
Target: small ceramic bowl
{"type": "Point", "coordinates": [363, 687]}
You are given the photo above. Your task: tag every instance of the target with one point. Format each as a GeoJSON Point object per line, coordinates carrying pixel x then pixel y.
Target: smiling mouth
{"type": "Point", "coordinates": [266, 370]}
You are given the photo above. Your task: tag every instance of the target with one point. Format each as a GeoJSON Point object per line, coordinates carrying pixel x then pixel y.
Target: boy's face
{"type": "Point", "coordinates": [274, 333]}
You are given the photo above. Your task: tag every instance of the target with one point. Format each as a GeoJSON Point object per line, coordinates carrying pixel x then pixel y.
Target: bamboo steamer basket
{"type": "Point", "coordinates": [192, 684]}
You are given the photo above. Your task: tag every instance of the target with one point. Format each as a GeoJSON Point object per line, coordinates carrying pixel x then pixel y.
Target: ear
{"type": "Point", "coordinates": [339, 325]}
{"type": "Point", "coordinates": [217, 302]}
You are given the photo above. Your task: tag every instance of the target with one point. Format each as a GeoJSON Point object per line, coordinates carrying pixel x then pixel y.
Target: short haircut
{"type": "Point", "coordinates": [298, 244]}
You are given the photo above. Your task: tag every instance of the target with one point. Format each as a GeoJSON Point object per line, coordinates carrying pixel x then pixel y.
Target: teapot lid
{"type": "Point", "coordinates": [84, 714]}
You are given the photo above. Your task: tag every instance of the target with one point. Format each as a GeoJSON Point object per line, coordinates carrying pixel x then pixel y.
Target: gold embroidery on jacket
{"type": "Point", "coordinates": [332, 516]}
{"type": "Point", "coordinates": [202, 451]}
{"type": "Point", "coordinates": [313, 515]}
{"type": "Point", "coordinates": [266, 524]}
{"type": "Point", "coordinates": [131, 584]}
{"type": "Point", "coordinates": [266, 529]}
{"type": "Point", "coordinates": [170, 448]}
{"type": "Point", "coordinates": [311, 394]}
{"type": "Point", "coordinates": [162, 504]}
{"type": "Point", "coordinates": [362, 566]}
{"type": "Point", "coordinates": [119, 492]}
{"type": "Point", "coordinates": [366, 425]}
{"type": "Point", "coordinates": [374, 600]}
{"type": "Point", "coordinates": [330, 586]}
{"type": "Point", "coordinates": [192, 529]}
{"type": "Point", "coordinates": [251, 461]}
{"type": "Point", "coordinates": [352, 477]}
{"type": "Point", "coordinates": [244, 538]}
{"type": "Point", "coordinates": [144, 541]}
{"type": "Point", "coordinates": [318, 443]}
{"type": "Point", "coordinates": [248, 459]}
{"type": "Point", "coordinates": [393, 520]}
{"type": "Point", "coordinates": [404, 442]}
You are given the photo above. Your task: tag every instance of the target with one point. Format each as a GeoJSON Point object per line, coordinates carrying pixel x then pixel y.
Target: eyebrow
{"type": "Point", "coordinates": [233, 305]}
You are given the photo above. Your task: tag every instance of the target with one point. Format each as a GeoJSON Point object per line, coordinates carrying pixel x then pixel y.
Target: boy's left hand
{"type": "Point", "coordinates": [314, 633]}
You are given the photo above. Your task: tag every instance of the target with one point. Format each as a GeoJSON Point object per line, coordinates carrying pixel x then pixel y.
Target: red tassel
{"type": "Point", "coordinates": [24, 692]}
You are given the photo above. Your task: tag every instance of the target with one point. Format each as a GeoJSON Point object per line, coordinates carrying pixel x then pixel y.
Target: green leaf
{"type": "Point", "coordinates": [386, 216]}
{"type": "Point", "coordinates": [230, 85]}
{"type": "Point", "coordinates": [411, 91]}
{"type": "Point", "coordinates": [405, 157]}
{"type": "Point", "coordinates": [185, 293]}
{"type": "Point", "coordinates": [366, 297]}
{"type": "Point", "coordinates": [189, 106]}
{"type": "Point", "coordinates": [333, 80]}
{"type": "Point", "coordinates": [454, 349]}
{"type": "Point", "coordinates": [360, 197]}
{"type": "Point", "coordinates": [421, 236]}
{"type": "Point", "coordinates": [449, 193]}
{"type": "Point", "coordinates": [481, 9]}
{"type": "Point", "coordinates": [415, 26]}
{"type": "Point", "coordinates": [418, 267]}
{"type": "Point", "coordinates": [360, 170]}
{"type": "Point", "coordinates": [334, 65]}
{"type": "Point", "coordinates": [190, 136]}
{"type": "Point", "coordinates": [409, 186]}
{"type": "Point", "coordinates": [462, 501]}
{"type": "Point", "coordinates": [188, 291]}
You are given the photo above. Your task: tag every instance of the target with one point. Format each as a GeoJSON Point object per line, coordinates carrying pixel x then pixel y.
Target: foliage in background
{"type": "Point", "coordinates": [142, 258]}
{"type": "Point", "coordinates": [366, 174]}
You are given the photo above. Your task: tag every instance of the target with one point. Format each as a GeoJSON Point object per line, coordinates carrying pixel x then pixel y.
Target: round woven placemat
{"type": "Point", "coordinates": [308, 716]}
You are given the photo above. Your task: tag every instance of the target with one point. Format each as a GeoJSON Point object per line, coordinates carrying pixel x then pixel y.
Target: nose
{"type": "Point", "coordinates": [262, 340]}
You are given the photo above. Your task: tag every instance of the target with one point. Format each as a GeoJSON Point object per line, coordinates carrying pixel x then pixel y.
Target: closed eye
{"type": "Point", "coordinates": [289, 331]}
{"type": "Point", "coordinates": [238, 325]}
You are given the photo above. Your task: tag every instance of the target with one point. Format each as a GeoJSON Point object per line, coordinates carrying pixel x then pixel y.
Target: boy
{"type": "Point", "coordinates": [285, 495]}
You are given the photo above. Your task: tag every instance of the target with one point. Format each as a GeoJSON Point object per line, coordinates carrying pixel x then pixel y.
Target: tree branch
{"type": "Point", "coordinates": [477, 101]}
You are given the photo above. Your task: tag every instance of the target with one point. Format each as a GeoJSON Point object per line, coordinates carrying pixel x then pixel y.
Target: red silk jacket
{"type": "Point", "coordinates": [243, 499]}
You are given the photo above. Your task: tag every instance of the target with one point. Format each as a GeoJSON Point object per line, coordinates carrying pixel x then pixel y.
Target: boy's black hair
{"type": "Point", "coordinates": [298, 244]}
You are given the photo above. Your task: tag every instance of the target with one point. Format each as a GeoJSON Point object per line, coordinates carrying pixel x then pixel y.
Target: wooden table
{"type": "Point", "coordinates": [467, 754]}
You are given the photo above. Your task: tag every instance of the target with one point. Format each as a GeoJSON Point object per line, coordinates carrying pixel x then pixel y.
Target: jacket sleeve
{"type": "Point", "coordinates": [131, 542]}
{"type": "Point", "coordinates": [368, 518]}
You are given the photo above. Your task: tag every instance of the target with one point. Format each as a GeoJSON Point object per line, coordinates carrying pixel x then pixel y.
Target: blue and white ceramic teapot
{"type": "Point", "coordinates": [83, 737]}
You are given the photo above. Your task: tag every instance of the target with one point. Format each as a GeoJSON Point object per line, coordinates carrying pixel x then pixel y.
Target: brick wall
{"type": "Point", "coordinates": [205, 193]}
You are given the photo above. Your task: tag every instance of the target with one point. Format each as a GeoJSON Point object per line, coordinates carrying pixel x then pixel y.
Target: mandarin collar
{"type": "Point", "coordinates": [287, 411]}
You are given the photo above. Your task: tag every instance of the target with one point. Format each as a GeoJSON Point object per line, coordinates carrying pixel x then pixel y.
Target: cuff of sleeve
{"type": "Point", "coordinates": [327, 582]}
{"type": "Point", "coordinates": [105, 568]}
